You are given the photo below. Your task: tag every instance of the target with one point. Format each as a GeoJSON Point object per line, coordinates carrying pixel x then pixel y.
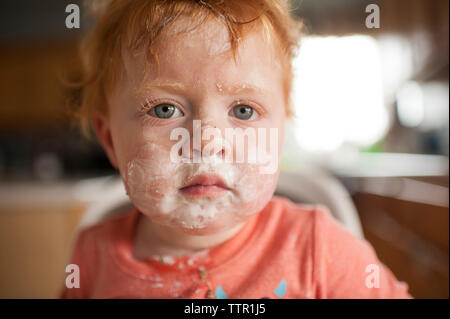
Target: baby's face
{"type": "Point", "coordinates": [199, 80]}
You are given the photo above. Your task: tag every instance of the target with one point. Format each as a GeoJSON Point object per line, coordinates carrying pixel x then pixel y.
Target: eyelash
{"type": "Point", "coordinates": [261, 112]}
{"type": "Point", "coordinates": [149, 104]}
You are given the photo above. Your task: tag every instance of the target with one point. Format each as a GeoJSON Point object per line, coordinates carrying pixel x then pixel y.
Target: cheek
{"type": "Point", "coordinates": [152, 181]}
{"type": "Point", "coordinates": [151, 172]}
{"type": "Point", "coordinates": [254, 189]}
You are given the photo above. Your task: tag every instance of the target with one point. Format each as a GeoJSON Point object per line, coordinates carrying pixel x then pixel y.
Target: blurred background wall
{"type": "Point", "coordinates": [372, 111]}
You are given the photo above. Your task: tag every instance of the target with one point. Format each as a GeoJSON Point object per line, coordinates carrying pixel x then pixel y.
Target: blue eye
{"type": "Point", "coordinates": [244, 112]}
{"type": "Point", "coordinates": [165, 111]}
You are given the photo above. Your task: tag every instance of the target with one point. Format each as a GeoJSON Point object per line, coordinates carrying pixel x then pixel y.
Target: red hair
{"type": "Point", "coordinates": [137, 24]}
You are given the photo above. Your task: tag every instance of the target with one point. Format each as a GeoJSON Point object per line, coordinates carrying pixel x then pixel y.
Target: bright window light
{"type": "Point", "coordinates": [338, 93]}
{"type": "Point", "coordinates": [410, 107]}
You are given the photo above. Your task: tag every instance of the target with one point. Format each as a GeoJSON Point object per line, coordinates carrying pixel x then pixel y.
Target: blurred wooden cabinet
{"type": "Point", "coordinates": [411, 238]}
{"type": "Point", "coordinates": [32, 91]}
{"type": "Point", "coordinates": [35, 239]}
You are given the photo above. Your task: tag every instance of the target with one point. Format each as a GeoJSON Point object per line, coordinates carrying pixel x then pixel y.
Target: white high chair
{"type": "Point", "coordinates": [310, 187]}
{"type": "Point", "coordinates": [315, 187]}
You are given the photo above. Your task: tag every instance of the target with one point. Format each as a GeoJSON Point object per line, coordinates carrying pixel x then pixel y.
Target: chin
{"type": "Point", "coordinates": [212, 228]}
{"type": "Point", "coordinates": [205, 231]}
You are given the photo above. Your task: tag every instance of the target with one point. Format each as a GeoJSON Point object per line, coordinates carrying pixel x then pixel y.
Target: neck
{"type": "Point", "coordinates": [155, 240]}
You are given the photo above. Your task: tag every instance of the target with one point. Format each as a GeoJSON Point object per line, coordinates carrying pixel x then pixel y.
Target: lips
{"type": "Point", "coordinates": [204, 185]}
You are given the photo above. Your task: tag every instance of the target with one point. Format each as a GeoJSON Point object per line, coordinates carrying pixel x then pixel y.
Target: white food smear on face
{"type": "Point", "coordinates": [153, 182]}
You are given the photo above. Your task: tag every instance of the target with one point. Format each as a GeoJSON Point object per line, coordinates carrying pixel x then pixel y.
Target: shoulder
{"type": "Point", "coordinates": [309, 223]}
{"type": "Point", "coordinates": [291, 213]}
{"type": "Point", "coordinates": [107, 227]}
{"type": "Point", "coordinates": [316, 216]}
{"type": "Point", "coordinates": [286, 219]}
{"type": "Point", "coordinates": [91, 245]}
{"type": "Point", "coordinates": [94, 241]}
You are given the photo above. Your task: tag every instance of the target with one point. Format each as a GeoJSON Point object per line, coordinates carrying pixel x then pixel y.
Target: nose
{"type": "Point", "coordinates": [207, 140]}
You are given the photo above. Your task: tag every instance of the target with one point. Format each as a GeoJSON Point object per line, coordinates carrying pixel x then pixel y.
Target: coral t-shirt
{"type": "Point", "coordinates": [286, 251]}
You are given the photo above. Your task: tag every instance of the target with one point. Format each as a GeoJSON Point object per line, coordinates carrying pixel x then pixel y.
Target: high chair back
{"type": "Point", "coordinates": [307, 187]}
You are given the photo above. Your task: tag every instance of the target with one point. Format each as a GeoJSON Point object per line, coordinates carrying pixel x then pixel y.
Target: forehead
{"type": "Point", "coordinates": [202, 54]}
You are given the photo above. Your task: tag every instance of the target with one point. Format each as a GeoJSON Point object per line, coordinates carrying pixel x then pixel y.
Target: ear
{"type": "Point", "coordinates": [102, 127]}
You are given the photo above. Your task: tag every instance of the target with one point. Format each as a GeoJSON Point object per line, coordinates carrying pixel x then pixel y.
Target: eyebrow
{"type": "Point", "coordinates": [222, 89]}
{"type": "Point", "coordinates": [239, 88]}
{"type": "Point", "coordinates": [170, 85]}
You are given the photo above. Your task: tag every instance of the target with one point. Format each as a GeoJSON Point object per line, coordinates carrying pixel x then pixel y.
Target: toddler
{"type": "Point", "coordinates": [189, 99]}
